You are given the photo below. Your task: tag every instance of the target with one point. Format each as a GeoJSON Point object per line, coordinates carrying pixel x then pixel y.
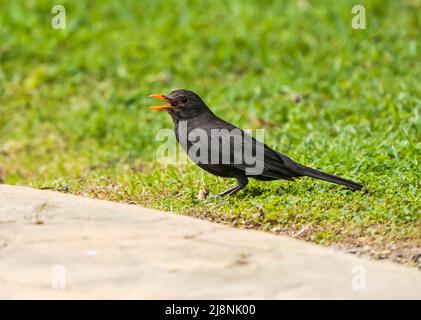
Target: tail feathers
{"type": "Point", "coordinates": [310, 172]}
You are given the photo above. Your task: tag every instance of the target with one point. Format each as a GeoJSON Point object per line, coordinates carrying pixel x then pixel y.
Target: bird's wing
{"type": "Point", "coordinates": [248, 154]}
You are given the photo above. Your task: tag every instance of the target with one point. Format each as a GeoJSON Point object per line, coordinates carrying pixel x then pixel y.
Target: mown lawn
{"type": "Point", "coordinates": [74, 116]}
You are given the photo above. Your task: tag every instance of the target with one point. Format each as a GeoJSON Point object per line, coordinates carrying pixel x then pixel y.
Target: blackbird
{"type": "Point", "coordinates": [224, 150]}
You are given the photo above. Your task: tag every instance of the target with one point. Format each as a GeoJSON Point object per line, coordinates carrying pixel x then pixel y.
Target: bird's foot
{"type": "Point", "coordinates": [231, 191]}
{"type": "Point", "coordinates": [242, 183]}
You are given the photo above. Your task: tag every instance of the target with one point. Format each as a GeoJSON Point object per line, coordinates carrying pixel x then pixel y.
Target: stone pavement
{"type": "Point", "coordinates": [59, 246]}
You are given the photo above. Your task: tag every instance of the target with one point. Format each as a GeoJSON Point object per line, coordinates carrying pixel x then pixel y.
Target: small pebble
{"type": "Point", "coordinates": [203, 194]}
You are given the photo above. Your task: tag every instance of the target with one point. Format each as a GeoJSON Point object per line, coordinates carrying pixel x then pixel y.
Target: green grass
{"type": "Point", "coordinates": [73, 112]}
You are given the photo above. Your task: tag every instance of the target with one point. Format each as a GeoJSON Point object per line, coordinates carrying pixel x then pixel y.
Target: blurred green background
{"type": "Point", "coordinates": [74, 116]}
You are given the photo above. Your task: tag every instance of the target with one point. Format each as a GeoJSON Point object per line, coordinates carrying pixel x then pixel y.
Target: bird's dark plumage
{"type": "Point", "coordinates": [190, 114]}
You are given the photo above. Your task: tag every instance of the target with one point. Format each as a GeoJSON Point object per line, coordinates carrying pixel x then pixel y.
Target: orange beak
{"type": "Point", "coordinates": [163, 98]}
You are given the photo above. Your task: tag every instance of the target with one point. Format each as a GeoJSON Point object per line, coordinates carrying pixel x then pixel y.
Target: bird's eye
{"type": "Point", "coordinates": [183, 99]}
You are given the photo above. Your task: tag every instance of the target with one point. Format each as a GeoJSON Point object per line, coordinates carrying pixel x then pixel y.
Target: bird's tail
{"type": "Point", "coordinates": [310, 172]}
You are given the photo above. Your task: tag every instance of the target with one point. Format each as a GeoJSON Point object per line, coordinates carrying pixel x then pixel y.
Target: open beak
{"type": "Point", "coordinates": [163, 98]}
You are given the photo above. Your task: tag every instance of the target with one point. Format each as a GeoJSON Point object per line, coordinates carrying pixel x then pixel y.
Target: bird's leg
{"type": "Point", "coordinates": [230, 190]}
{"type": "Point", "coordinates": [242, 183]}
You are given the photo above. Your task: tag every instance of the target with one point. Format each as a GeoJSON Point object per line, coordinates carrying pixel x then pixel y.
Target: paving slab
{"type": "Point", "coordinates": [60, 246]}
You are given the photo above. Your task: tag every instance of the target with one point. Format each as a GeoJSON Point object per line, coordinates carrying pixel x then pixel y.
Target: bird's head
{"type": "Point", "coordinates": [182, 104]}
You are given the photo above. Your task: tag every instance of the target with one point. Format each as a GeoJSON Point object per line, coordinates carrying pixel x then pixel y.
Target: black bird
{"type": "Point", "coordinates": [222, 142]}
